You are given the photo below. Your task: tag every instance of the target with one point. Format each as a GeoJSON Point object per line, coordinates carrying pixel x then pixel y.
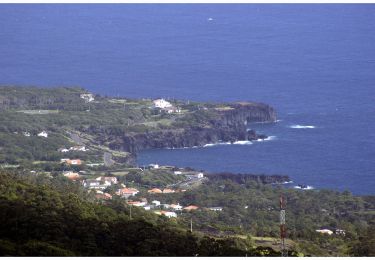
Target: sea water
{"type": "Point", "coordinates": [313, 63]}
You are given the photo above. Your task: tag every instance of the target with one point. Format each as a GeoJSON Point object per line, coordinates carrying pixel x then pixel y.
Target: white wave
{"type": "Point", "coordinates": [307, 187]}
{"type": "Point", "coordinates": [278, 120]}
{"type": "Point", "coordinates": [215, 144]}
{"type": "Point", "coordinates": [302, 126]}
{"type": "Point", "coordinates": [243, 142]}
{"type": "Point", "coordinates": [269, 138]}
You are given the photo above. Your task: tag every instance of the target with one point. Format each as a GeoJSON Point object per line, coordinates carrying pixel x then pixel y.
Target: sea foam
{"type": "Point", "coordinates": [269, 138]}
{"type": "Point", "coordinates": [302, 126]}
{"type": "Point", "coordinates": [307, 187]}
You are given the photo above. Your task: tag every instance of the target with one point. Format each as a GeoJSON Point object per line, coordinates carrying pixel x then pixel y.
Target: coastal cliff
{"type": "Point", "coordinates": [229, 124]}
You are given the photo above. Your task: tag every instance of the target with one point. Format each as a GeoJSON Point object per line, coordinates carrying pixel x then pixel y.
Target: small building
{"type": "Point", "coordinates": [137, 203]}
{"type": "Point", "coordinates": [176, 207]}
{"type": "Point", "coordinates": [195, 176]}
{"type": "Point", "coordinates": [168, 191]}
{"type": "Point", "coordinates": [172, 109]}
{"type": "Point", "coordinates": [156, 202]}
{"type": "Point", "coordinates": [147, 207]}
{"type": "Point", "coordinates": [43, 134]}
{"type": "Point", "coordinates": [64, 150]}
{"type": "Point", "coordinates": [161, 103]}
{"type": "Point", "coordinates": [78, 148]}
{"type": "Point", "coordinates": [324, 231]}
{"type": "Point", "coordinates": [75, 162]}
{"type": "Point", "coordinates": [154, 166]}
{"type": "Point", "coordinates": [169, 214]}
{"type": "Point", "coordinates": [108, 181]}
{"type": "Point", "coordinates": [26, 134]}
{"type": "Point", "coordinates": [177, 172]}
{"type": "Point", "coordinates": [191, 207]}
{"type": "Point", "coordinates": [88, 97]}
{"type": "Point", "coordinates": [216, 208]}
{"type": "Point", "coordinates": [340, 232]}
{"type": "Point", "coordinates": [72, 175]}
{"type": "Point", "coordinates": [91, 184]}
{"type": "Point", "coordinates": [155, 190]}
{"type": "Point", "coordinates": [127, 192]}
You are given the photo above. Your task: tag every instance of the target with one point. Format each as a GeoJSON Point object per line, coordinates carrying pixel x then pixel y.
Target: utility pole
{"type": "Point", "coordinates": [284, 251]}
{"type": "Point", "coordinates": [191, 225]}
{"type": "Point", "coordinates": [130, 211]}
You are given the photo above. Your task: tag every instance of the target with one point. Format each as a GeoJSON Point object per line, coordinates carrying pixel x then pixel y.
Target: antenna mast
{"type": "Point", "coordinates": [284, 251]}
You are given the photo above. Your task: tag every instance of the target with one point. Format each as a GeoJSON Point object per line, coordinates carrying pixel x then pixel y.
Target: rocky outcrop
{"type": "Point", "coordinates": [230, 126]}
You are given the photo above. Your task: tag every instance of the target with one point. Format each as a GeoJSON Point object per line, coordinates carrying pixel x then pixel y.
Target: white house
{"type": "Point", "coordinates": [91, 183]}
{"type": "Point", "coordinates": [176, 207]}
{"type": "Point", "coordinates": [324, 231]}
{"type": "Point", "coordinates": [155, 166]}
{"type": "Point", "coordinates": [87, 97]}
{"type": "Point", "coordinates": [161, 103]}
{"type": "Point", "coordinates": [169, 214]}
{"type": "Point", "coordinates": [177, 172]}
{"type": "Point", "coordinates": [156, 202]}
{"type": "Point", "coordinates": [64, 150]}
{"type": "Point", "coordinates": [43, 134]}
{"type": "Point", "coordinates": [216, 208]}
{"type": "Point", "coordinates": [200, 175]}
{"type": "Point", "coordinates": [26, 134]}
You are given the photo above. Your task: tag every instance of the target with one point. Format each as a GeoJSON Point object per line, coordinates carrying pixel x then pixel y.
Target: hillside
{"type": "Point", "coordinates": [70, 184]}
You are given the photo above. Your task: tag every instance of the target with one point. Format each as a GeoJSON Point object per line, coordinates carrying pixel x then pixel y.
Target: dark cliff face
{"type": "Point", "coordinates": [230, 126]}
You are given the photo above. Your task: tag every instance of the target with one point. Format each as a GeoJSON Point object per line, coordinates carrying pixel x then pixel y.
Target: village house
{"type": "Point", "coordinates": [176, 207]}
{"type": "Point", "coordinates": [88, 97]}
{"type": "Point", "coordinates": [216, 208]}
{"type": "Point", "coordinates": [78, 148]}
{"type": "Point", "coordinates": [137, 203]}
{"type": "Point", "coordinates": [172, 109]}
{"type": "Point", "coordinates": [63, 150]}
{"type": "Point", "coordinates": [43, 134]}
{"type": "Point", "coordinates": [195, 176]}
{"type": "Point", "coordinates": [91, 184]}
{"type": "Point", "coordinates": [161, 103]}
{"type": "Point", "coordinates": [168, 191]}
{"type": "Point", "coordinates": [191, 207]}
{"type": "Point", "coordinates": [71, 162]}
{"type": "Point", "coordinates": [177, 172]}
{"type": "Point", "coordinates": [103, 196]}
{"type": "Point", "coordinates": [72, 175]}
{"type": "Point", "coordinates": [147, 207]}
{"type": "Point", "coordinates": [324, 231]}
{"type": "Point", "coordinates": [107, 181]}
{"type": "Point", "coordinates": [155, 190]}
{"type": "Point", "coordinates": [340, 232]}
{"type": "Point", "coordinates": [153, 166]}
{"type": "Point", "coordinates": [127, 192]}
{"type": "Point", "coordinates": [26, 134]}
{"type": "Point", "coordinates": [168, 214]}
{"type": "Point", "coordinates": [156, 202]}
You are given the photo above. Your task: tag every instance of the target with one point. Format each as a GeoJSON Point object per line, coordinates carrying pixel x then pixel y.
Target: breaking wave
{"type": "Point", "coordinates": [302, 126]}
{"type": "Point", "coordinates": [269, 138]}
{"type": "Point", "coordinates": [304, 188]}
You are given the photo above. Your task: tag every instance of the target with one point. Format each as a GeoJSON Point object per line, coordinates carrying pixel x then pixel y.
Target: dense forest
{"type": "Point", "coordinates": [42, 216]}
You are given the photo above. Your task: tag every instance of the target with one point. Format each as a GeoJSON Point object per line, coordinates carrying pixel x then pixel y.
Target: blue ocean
{"type": "Point", "coordinates": [315, 64]}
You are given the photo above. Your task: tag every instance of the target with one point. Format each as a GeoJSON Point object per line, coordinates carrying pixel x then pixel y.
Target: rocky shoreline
{"type": "Point", "coordinates": [230, 126]}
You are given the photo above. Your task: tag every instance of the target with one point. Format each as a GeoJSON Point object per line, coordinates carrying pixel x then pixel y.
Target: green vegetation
{"type": "Point", "coordinates": [43, 213]}
{"type": "Point", "coordinates": [41, 216]}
